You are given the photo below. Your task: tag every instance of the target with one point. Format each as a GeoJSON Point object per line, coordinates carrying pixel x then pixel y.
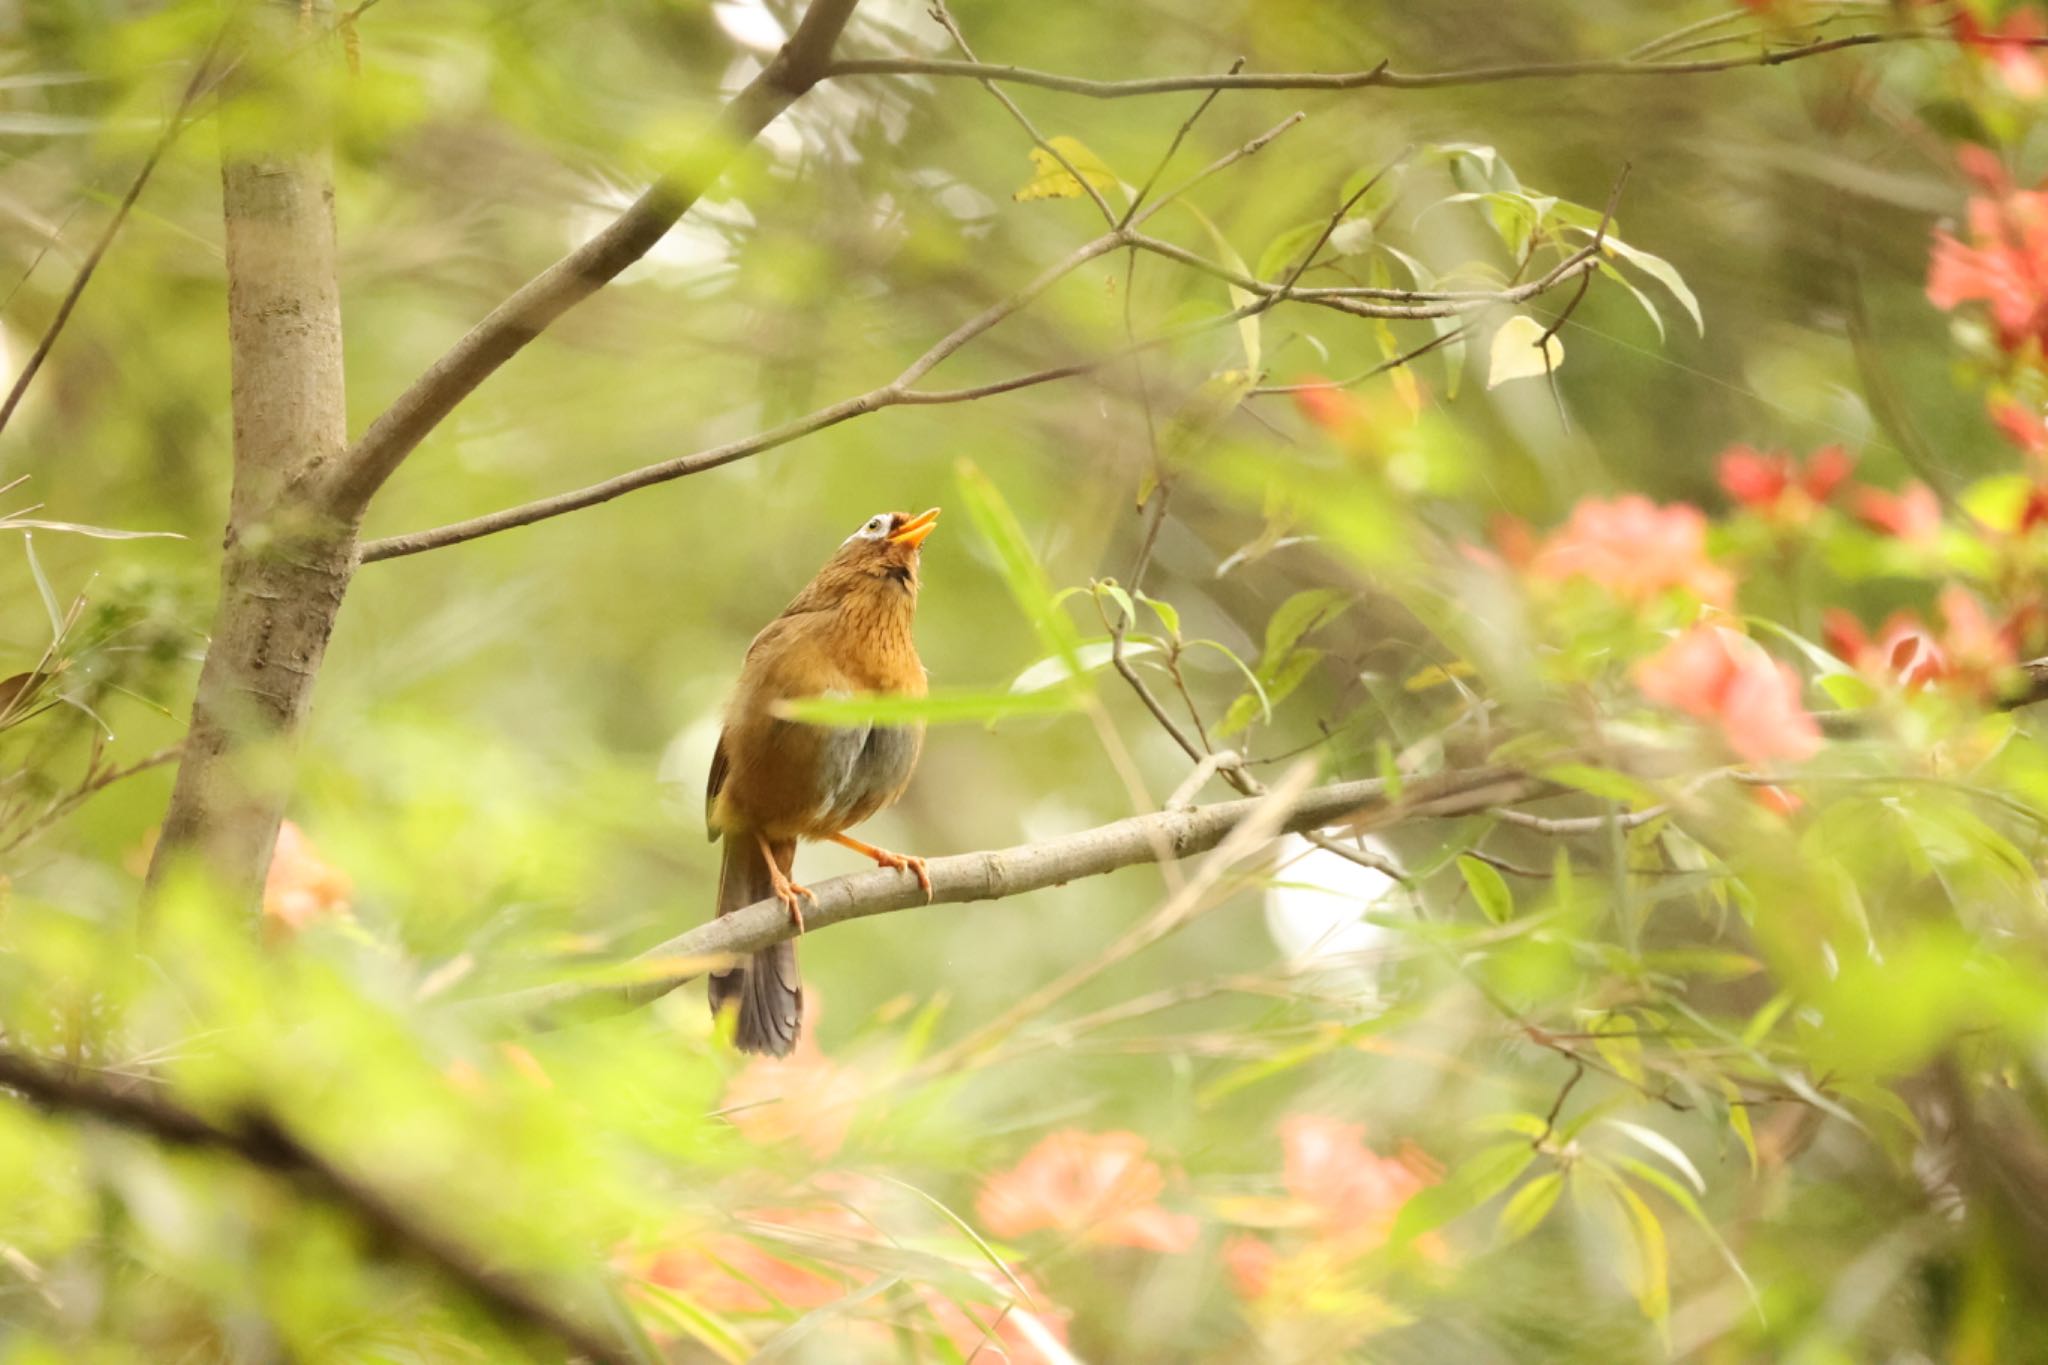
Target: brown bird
{"type": "Point", "coordinates": [775, 781]}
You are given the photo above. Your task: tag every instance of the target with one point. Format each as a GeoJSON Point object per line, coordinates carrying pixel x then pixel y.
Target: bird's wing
{"type": "Point", "coordinates": [721, 764]}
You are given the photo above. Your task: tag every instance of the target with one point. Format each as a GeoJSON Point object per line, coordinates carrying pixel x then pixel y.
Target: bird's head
{"type": "Point", "coordinates": [883, 553]}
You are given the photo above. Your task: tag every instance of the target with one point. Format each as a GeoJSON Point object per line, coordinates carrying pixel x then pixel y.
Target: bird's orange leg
{"type": "Point", "coordinates": [788, 892]}
{"type": "Point", "coordinates": [902, 862]}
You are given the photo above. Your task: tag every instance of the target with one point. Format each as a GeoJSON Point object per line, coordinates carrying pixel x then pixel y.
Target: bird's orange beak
{"type": "Point", "coordinates": [914, 531]}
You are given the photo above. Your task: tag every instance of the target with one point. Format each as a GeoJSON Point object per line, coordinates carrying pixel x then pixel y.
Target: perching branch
{"type": "Point", "coordinates": [538, 303]}
{"type": "Point", "coordinates": [1383, 76]}
{"type": "Point", "coordinates": [259, 1141]}
{"type": "Point", "coordinates": [1002, 873]}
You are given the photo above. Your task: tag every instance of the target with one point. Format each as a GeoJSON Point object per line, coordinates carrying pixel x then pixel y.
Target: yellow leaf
{"type": "Point", "coordinates": [1049, 179]}
{"type": "Point", "coordinates": [1516, 355]}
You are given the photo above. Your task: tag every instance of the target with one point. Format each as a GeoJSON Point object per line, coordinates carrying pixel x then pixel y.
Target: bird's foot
{"type": "Point", "coordinates": [793, 897]}
{"type": "Point", "coordinates": [900, 862]}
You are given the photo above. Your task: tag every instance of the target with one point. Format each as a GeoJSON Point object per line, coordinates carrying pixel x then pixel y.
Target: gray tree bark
{"type": "Point", "coordinates": [286, 559]}
{"type": "Point", "coordinates": [300, 490]}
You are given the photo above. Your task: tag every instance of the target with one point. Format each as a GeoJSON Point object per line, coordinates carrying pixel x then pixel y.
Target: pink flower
{"type": "Point", "coordinates": [1011, 1332]}
{"type": "Point", "coordinates": [2008, 49]}
{"type": "Point", "coordinates": [1328, 1167]}
{"type": "Point", "coordinates": [301, 886]}
{"type": "Point", "coordinates": [1636, 550]}
{"type": "Point", "coordinates": [1715, 674]}
{"type": "Point", "coordinates": [1251, 1262]}
{"type": "Point", "coordinates": [805, 1098]}
{"type": "Point", "coordinates": [2022, 425]}
{"type": "Point", "coordinates": [1099, 1186]}
{"type": "Point", "coordinates": [2004, 266]}
{"type": "Point", "coordinates": [1969, 654]}
{"type": "Point", "coordinates": [1913, 514]}
{"type": "Point", "coordinates": [1776, 485]}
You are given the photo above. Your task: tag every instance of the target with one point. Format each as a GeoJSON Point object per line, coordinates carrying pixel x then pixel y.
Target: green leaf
{"type": "Point", "coordinates": [1114, 592]}
{"type": "Point", "coordinates": [1516, 355]}
{"type": "Point", "coordinates": [1652, 1280]}
{"type": "Point", "coordinates": [1653, 1141]}
{"type": "Point", "coordinates": [939, 708]}
{"type": "Point", "coordinates": [1168, 614]}
{"type": "Point", "coordinates": [1529, 1206]}
{"type": "Point", "coordinates": [1022, 573]}
{"type": "Point", "coordinates": [1094, 655]}
{"type": "Point", "coordinates": [1660, 270]}
{"type": "Point", "coordinates": [1197, 419]}
{"type": "Point", "coordinates": [1649, 305]}
{"type": "Point", "coordinates": [79, 529]}
{"type": "Point", "coordinates": [1257, 688]}
{"type": "Point", "coordinates": [1602, 782]}
{"type": "Point", "coordinates": [1247, 327]}
{"type": "Point", "coordinates": [1488, 888]}
{"type": "Point", "coordinates": [35, 570]}
{"type": "Point", "coordinates": [1295, 619]}
{"type": "Point", "coordinates": [1474, 1181]}
{"type": "Point", "coordinates": [1285, 250]}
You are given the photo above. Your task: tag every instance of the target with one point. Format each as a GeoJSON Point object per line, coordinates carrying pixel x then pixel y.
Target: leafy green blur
{"type": "Point", "coordinates": [1693, 1075]}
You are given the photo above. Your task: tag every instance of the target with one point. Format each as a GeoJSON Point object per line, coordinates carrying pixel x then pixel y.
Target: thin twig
{"type": "Point", "coordinates": [1405, 358]}
{"type": "Point", "coordinates": [1180, 135]}
{"type": "Point", "coordinates": [85, 790]}
{"type": "Point", "coordinates": [1382, 76]}
{"type": "Point", "coordinates": [203, 79]}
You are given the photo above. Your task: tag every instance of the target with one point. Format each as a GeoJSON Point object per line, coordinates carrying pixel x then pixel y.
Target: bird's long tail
{"type": "Point", "coordinates": [766, 988]}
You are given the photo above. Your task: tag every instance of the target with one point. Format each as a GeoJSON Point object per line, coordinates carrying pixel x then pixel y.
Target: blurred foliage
{"type": "Point", "coordinates": [1731, 1049]}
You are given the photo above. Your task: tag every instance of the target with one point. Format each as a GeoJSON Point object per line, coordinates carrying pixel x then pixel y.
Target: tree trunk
{"type": "Point", "coordinates": [287, 558]}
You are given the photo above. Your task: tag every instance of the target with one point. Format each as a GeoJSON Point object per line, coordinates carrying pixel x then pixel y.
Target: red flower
{"type": "Point", "coordinates": [2022, 425]}
{"type": "Point", "coordinates": [2005, 265]}
{"type": "Point", "coordinates": [1913, 514]}
{"type": "Point", "coordinates": [301, 886]}
{"type": "Point", "coordinates": [2034, 512]}
{"type": "Point", "coordinates": [1100, 1186]}
{"type": "Point", "coordinates": [1773, 483]}
{"type": "Point", "coordinates": [1717, 675]}
{"type": "Point", "coordinates": [1333, 409]}
{"type": "Point", "coordinates": [1636, 550]}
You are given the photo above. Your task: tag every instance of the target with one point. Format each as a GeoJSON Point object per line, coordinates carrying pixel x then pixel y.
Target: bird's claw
{"type": "Point", "coordinates": [907, 862]}
{"type": "Point", "coordinates": [793, 897]}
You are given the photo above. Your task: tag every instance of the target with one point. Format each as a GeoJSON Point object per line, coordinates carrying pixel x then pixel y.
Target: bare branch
{"type": "Point", "coordinates": [1180, 134]}
{"type": "Point", "coordinates": [538, 303]}
{"type": "Point", "coordinates": [93, 784]}
{"type": "Point", "coordinates": [899, 393]}
{"type": "Point", "coordinates": [1002, 873]}
{"type": "Point", "coordinates": [1381, 76]}
{"type": "Point", "coordinates": [259, 1141]}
